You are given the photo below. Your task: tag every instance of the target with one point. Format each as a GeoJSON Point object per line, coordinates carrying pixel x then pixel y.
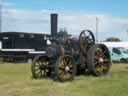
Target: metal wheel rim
{"type": "Point", "coordinates": [41, 67]}
{"type": "Point", "coordinates": [65, 68]}
{"type": "Point", "coordinates": [101, 61]}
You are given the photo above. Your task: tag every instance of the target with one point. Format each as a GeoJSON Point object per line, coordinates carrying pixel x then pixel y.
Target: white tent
{"type": "Point", "coordinates": [116, 44]}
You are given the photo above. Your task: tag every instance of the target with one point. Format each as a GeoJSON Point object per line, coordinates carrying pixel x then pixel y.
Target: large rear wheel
{"type": "Point", "coordinates": [98, 60]}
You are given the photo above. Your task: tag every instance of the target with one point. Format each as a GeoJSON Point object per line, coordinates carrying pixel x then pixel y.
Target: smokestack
{"type": "Point", "coordinates": [54, 23]}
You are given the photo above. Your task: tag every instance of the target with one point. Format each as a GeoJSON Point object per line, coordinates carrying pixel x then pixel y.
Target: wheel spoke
{"type": "Point", "coordinates": [64, 62]}
{"type": "Point", "coordinates": [62, 73]}
{"type": "Point", "coordinates": [69, 62]}
{"type": "Point", "coordinates": [39, 73]}
{"type": "Point", "coordinates": [37, 64]}
{"type": "Point", "coordinates": [106, 60]}
{"type": "Point", "coordinates": [67, 75]}
{"type": "Point", "coordinates": [99, 68]}
{"type": "Point", "coordinates": [96, 62]}
{"type": "Point", "coordinates": [105, 67]}
{"type": "Point", "coordinates": [70, 71]}
{"type": "Point", "coordinates": [61, 68]}
{"type": "Point", "coordinates": [36, 69]}
{"type": "Point", "coordinates": [104, 52]}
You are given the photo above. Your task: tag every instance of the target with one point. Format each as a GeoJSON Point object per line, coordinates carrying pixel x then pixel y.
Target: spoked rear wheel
{"type": "Point", "coordinates": [98, 60]}
{"type": "Point", "coordinates": [65, 69]}
{"type": "Point", "coordinates": [40, 67]}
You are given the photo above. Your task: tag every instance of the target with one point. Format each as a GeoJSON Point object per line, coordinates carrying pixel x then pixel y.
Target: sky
{"type": "Point", "coordinates": [74, 15]}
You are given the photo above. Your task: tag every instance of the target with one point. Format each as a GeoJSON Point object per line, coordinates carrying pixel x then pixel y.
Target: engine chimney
{"type": "Point", "coordinates": [54, 23]}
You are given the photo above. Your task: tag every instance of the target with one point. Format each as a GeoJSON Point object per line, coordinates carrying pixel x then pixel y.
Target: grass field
{"type": "Point", "coordinates": [16, 80]}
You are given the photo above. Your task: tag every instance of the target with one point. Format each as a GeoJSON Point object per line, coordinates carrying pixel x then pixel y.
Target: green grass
{"type": "Point", "coordinates": [16, 80]}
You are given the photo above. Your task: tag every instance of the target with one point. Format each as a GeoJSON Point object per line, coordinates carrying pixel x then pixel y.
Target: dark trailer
{"type": "Point", "coordinates": [21, 46]}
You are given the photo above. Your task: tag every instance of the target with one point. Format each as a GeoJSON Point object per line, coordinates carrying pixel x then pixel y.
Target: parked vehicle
{"type": "Point", "coordinates": [21, 46]}
{"type": "Point", "coordinates": [118, 54]}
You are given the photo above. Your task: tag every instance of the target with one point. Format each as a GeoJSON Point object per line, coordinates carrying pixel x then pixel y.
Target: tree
{"type": "Point", "coordinates": [113, 39]}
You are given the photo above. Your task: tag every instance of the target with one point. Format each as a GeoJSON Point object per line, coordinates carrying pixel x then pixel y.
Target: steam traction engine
{"type": "Point", "coordinates": [66, 56]}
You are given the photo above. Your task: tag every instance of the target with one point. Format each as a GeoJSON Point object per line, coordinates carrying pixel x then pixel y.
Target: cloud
{"type": "Point", "coordinates": [6, 3]}
{"type": "Point", "coordinates": [74, 22]}
{"type": "Point", "coordinates": [121, 20]}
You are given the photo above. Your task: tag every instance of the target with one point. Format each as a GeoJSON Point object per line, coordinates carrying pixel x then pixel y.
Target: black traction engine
{"type": "Point", "coordinates": [67, 56]}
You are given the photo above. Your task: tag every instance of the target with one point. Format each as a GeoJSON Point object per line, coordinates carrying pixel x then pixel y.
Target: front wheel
{"type": "Point", "coordinates": [65, 68]}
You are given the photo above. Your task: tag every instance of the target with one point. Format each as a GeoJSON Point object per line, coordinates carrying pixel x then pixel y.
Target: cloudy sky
{"type": "Point", "coordinates": [74, 15]}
